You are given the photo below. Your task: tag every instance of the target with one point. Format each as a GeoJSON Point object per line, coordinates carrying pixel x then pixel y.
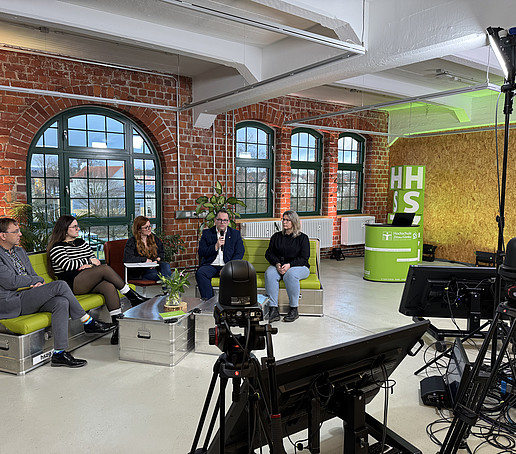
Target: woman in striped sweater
{"type": "Point", "coordinates": [72, 260]}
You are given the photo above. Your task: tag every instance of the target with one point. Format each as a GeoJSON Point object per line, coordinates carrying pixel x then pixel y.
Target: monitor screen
{"type": "Point", "coordinates": [328, 375]}
{"type": "Point", "coordinates": [403, 219]}
{"type": "Point", "coordinates": [446, 291]}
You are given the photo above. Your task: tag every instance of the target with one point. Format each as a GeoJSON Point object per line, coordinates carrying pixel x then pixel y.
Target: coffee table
{"type": "Point", "coordinates": [146, 337]}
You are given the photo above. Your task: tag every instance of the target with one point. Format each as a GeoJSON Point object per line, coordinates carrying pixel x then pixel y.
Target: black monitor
{"type": "Point", "coordinates": [403, 219]}
{"type": "Point", "coordinates": [448, 291]}
{"type": "Point", "coordinates": [336, 381]}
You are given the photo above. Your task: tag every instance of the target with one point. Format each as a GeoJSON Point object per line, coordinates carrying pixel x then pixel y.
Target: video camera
{"type": "Point", "coordinates": [238, 306]}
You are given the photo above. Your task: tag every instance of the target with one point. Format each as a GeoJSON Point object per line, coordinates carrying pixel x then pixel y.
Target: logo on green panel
{"type": "Point", "coordinates": [408, 201]}
{"type": "Point", "coordinates": [407, 177]}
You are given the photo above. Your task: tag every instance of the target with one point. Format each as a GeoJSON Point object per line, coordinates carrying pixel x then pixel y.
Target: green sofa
{"type": "Point", "coordinates": [26, 341]}
{"type": "Point", "coordinates": [311, 301]}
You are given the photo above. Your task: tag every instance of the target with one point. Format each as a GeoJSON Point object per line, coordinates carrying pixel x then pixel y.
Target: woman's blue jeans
{"type": "Point", "coordinates": [152, 273]}
{"type": "Point", "coordinates": [291, 279]}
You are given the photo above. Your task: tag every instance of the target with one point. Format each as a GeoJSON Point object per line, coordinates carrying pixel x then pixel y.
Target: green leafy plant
{"type": "Point", "coordinates": [211, 204]}
{"type": "Point", "coordinates": [35, 225]}
{"type": "Point", "coordinates": [177, 282]}
{"type": "Point", "coordinates": [172, 244]}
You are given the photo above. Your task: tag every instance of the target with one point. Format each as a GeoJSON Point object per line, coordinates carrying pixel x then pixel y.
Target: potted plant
{"type": "Point", "coordinates": [172, 244]}
{"type": "Point", "coordinates": [211, 204]}
{"type": "Point", "coordinates": [175, 285]}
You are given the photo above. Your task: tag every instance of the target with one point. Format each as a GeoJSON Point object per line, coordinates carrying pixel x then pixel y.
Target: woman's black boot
{"type": "Point", "coordinates": [115, 319]}
{"type": "Point", "coordinates": [135, 298]}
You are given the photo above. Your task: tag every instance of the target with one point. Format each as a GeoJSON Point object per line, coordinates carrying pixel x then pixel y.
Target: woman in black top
{"type": "Point", "coordinates": [145, 247]}
{"type": "Point", "coordinates": [72, 260]}
{"type": "Point", "coordinates": [288, 254]}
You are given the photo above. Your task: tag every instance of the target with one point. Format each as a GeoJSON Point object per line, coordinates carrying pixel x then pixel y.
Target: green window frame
{"type": "Point", "coordinates": [305, 169]}
{"type": "Point", "coordinates": [98, 165]}
{"type": "Point", "coordinates": [350, 173]}
{"type": "Point", "coordinates": [254, 153]}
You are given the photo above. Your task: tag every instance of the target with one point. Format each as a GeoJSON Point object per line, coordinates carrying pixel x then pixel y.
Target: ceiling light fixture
{"type": "Point", "coordinates": [440, 94]}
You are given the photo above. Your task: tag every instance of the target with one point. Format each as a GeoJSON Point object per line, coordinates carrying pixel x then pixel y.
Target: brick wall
{"type": "Point", "coordinates": [205, 155]}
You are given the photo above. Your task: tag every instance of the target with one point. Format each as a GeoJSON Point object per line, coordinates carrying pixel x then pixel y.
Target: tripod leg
{"type": "Point", "coordinates": [471, 399]}
{"type": "Point", "coordinates": [205, 408]}
{"type": "Point", "coordinates": [222, 414]}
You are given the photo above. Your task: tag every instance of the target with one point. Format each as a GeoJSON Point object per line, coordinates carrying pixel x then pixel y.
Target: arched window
{"type": "Point", "coordinates": [253, 172]}
{"type": "Point", "coordinates": [305, 181]}
{"type": "Point", "coordinates": [96, 164]}
{"type": "Point", "coordinates": [350, 173]}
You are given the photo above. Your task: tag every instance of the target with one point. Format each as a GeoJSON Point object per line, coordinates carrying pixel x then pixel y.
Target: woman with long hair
{"type": "Point", "coordinates": [145, 247]}
{"type": "Point", "coordinates": [72, 260]}
{"type": "Point", "coordinates": [288, 254]}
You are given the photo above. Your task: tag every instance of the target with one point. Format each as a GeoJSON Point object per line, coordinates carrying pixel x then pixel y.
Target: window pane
{"type": "Point", "coordinates": [97, 140]}
{"type": "Point", "coordinates": [150, 208]}
{"type": "Point", "coordinates": [50, 138]}
{"type": "Point", "coordinates": [77, 138]}
{"type": "Point", "coordinates": [138, 142]}
{"type": "Point", "coordinates": [79, 207]}
{"type": "Point", "coordinates": [98, 207]}
{"type": "Point", "coordinates": [51, 165]}
{"type": "Point", "coordinates": [38, 187]}
{"type": "Point", "coordinates": [97, 168]}
{"type": "Point", "coordinates": [115, 141]}
{"type": "Point", "coordinates": [116, 207]}
{"type": "Point", "coordinates": [114, 125]}
{"type": "Point", "coordinates": [150, 171]}
{"type": "Point", "coordinates": [116, 169]}
{"type": "Point", "coordinates": [96, 122]}
{"type": "Point", "coordinates": [52, 187]}
{"type": "Point", "coordinates": [118, 232]}
{"type": "Point", "coordinates": [77, 122]}
{"type": "Point", "coordinates": [116, 188]}
{"type": "Point", "coordinates": [262, 137]}
{"type": "Point", "coordinates": [97, 188]}
{"type": "Point", "coordinates": [139, 207]}
{"type": "Point", "coordinates": [37, 165]}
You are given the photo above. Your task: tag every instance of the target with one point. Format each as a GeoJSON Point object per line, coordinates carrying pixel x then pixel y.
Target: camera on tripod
{"type": "Point", "coordinates": [238, 307]}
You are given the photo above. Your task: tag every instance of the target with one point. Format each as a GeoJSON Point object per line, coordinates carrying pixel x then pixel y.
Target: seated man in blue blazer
{"type": "Point", "coordinates": [218, 246]}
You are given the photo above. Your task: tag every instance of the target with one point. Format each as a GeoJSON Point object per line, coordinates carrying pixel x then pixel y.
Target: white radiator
{"type": "Point", "coordinates": [259, 229]}
{"type": "Point", "coordinates": [352, 229]}
{"type": "Point", "coordinates": [321, 229]}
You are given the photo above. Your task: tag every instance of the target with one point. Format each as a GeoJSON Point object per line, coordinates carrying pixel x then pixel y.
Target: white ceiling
{"type": "Point", "coordinates": [358, 52]}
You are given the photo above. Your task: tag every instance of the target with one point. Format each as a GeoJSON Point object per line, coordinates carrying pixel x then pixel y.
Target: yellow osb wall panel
{"type": "Point", "coordinates": [461, 192]}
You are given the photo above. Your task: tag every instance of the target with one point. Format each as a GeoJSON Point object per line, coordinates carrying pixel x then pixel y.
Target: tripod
{"type": "Point", "coordinates": [472, 396]}
{"type": "Point", "coordinates": [245, 396]}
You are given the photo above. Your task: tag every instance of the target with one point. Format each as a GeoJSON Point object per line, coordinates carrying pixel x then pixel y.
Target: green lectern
{"type": "Point", "coordinates": [389, 251]}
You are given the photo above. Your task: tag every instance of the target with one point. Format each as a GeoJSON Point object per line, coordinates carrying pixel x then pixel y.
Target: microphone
{"type": "Point", "coordinates": [222, 236]}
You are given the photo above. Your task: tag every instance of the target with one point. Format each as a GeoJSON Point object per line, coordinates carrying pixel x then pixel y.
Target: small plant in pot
{"type": "Point", "coordinates": [175, 284]}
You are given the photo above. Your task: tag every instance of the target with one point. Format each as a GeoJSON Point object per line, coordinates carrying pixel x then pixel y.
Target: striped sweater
{"type": "Point", "coordinates": [70, 256]}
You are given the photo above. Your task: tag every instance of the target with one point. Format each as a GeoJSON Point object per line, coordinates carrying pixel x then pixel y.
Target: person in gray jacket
{"type": "Point", "coordinates": [23, 292]}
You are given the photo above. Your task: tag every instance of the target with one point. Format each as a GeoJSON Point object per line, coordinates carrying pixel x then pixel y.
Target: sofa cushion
{"type": "Point", "coordinates": [255, 249]}
{"type": "Point", "coordinates": [25, 324]}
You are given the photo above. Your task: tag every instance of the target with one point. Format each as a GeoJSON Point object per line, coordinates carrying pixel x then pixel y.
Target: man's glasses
{"type": "Point", "coordinates": [225, 221]}
{"type": "Point", "coordinates": [14, 231]}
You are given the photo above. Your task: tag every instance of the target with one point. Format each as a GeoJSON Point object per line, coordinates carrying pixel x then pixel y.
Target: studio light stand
{"type": "Point", "coordinates": [474, 392]}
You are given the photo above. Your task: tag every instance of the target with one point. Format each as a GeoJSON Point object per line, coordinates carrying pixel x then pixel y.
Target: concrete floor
{"type": "Point", "coordinates": [113, 406]}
